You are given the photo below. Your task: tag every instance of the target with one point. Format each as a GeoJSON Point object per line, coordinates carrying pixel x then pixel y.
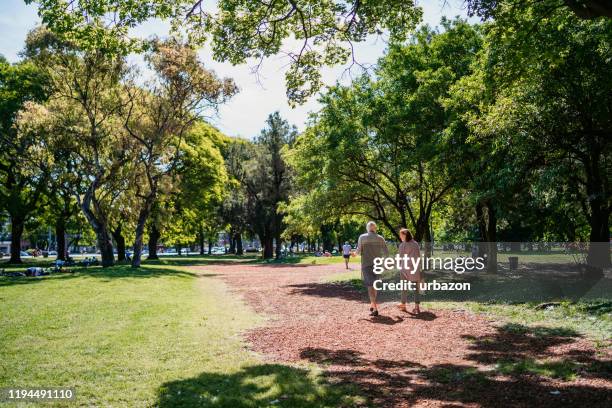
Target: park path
{"type": "Point", "coordinates": [440, 358]}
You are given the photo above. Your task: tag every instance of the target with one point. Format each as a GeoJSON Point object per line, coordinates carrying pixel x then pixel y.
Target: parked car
{"type": "Point", "coordinates": [218, 251]}
{"type": "Point", "coordinates": [24, 254]}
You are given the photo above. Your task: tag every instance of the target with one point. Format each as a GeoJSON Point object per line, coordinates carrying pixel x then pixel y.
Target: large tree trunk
{"type": "Point", "coordinates": [487, 226]}
{"type": "Point", "coordinates": [17, 225]}
{"type": "Point", "coordinates": [106, 247]}
{"type": "Point", "coordinates": [139, 234]}
{"type": "Point", "coordinates": [60, 238]}
{"type": "Point", "coordinates": [482, 231]}
{"type": "Point", "coordinates": [201, 239]}
{"type": "Point", "coordinates": [232, 247]}
{"type": "Point", "coordinates": [279, 246]}
{"type": "Point", "coordinates": [491, 239]}
{"type": "Point", "coordinates": [328, 243]}
{"type": "Point", "coordinates": [153, 239]}
{"type": "Point", "coordinates": [420, 230]}
{"type": "Point", "coordinates": [268, 249]}
{"type": "Point", "coordinates": [143, 216]}
{"type": "Point", "coordinates": [239, 248]}
{"type": "Point", "coordinates": [422, 234]}
{"type": "Point", "coordinates": [120, 241]}
{"type": "Point", "coordinates": [427, 244]}
{"type": "Point", "coordinates": [99, 226]}
{"type": "Point", "coordinates": [598, 256]}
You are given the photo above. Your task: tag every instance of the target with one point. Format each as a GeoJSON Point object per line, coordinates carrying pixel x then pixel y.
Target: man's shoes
{"type": "Point", "coordinates": [373, 312]}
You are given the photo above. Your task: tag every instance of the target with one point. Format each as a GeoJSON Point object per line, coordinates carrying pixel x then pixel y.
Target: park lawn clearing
{"type": "Point", "coordinates": [159, 335]}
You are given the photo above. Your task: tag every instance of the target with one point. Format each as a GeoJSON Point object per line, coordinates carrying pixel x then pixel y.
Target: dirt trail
{"type": "Point", "coordinates": [439, 358]}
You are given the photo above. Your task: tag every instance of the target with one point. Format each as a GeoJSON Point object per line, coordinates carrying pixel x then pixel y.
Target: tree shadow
{"type": "Point", "coordinates": [254, 386]}
{"type": "Point", "coordinates": [354, 358]}
{"type": "Point", "coordinates": [283, 265]}
{"type": "Point", "coordinates": [202, 260]}
{"type": "Point", "coordinates": [111, 273]}
{"type": "Point", "coordinates": [516, 366]}
{"type": "Point", "coordinates": [515, 341]}
{"type": "Point", "coordinates": [484, 288]}
{"type": "Point", "coordinates": [342, 290]}
{"type": "Point", "coordinates": [521, 350]}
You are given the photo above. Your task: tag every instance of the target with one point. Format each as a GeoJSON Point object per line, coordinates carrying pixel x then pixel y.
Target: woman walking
{"type": "Point", "coordinates": [412, 271]}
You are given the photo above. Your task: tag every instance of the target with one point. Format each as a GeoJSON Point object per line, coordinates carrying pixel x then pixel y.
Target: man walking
{"type": "Point", "coordinates": [346, 253]}
{"type": "Point", "coordinates": [370, 246]}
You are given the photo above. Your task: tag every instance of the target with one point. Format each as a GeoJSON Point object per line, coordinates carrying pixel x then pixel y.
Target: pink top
{"type": "Point", "coordinates": [413, 251]}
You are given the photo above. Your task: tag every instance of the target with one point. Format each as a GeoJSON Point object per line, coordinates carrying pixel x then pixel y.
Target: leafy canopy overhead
{"type": "Point", "coordinates": [312, 33]}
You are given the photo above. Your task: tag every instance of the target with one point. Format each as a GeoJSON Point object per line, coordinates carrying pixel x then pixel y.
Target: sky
{"type": "Point", "coordinates": [245, 114]}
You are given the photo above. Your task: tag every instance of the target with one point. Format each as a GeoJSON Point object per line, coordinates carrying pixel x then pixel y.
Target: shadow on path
{"type": "Point", "coordinates": [528, 371]}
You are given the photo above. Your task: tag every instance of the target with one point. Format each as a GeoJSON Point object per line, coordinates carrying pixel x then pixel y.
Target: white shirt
{"type": "Point", "coordinates": [346, 249]}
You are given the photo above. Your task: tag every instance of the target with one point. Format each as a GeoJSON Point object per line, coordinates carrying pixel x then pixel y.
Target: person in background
{"type": "Point", "coordinates": [412, 273]}
{"type": "Point", "coordinates": [371, 245]}
{"type": "Point", "coordinates": [346, 253]}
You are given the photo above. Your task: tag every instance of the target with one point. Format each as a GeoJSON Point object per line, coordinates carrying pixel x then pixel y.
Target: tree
{"type": "Point", "coordinates": [377, 148]}
{"type": "Point", "coordinates": [196, 187]}
{"type": "Point", "coordinates": [234, 208]}
{"type": "Point", "coordinates": [241, 29]}
{"type": "Point", "coordinates": [202, 178]}
{"type": "Point", "coordinates": [62, 204]}
{"type": "Point", "coordinates": [268, 182]}
{"type": "Point", "coordinates": [586, 9]}
{"type": "Point", "coordinates": [88, 97]}
{"type": "Point", "coordinates": [553, 105]}
{"type": "Point", "coordinates": [22, 184]}
{"type": "Point", "coordinates": [159, 116]}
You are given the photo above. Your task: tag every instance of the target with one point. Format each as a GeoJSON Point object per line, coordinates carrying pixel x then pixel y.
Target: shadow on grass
{"type": "Point", "coordinates": [249, 259]}
{"type": "Point", "coordinates": [483, 288]}
{"type": "Point", "coordinates": [149, 269]}
{"type": "Point", "coordinates": [254, 386]}
{"type": "Point", "coordinates": [521, 362]}
{"type": "Point", "coordinates": [114, 272]}
{"type": "Point", "coordinates": [202, 260]}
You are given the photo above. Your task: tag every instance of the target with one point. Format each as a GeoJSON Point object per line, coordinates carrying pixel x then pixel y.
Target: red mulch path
{"type": "Point", "coordinates": [442, 358]}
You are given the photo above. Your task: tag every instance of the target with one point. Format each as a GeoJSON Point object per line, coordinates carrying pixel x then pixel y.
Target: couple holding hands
{"type": "Point", "coordinates": [371, 245]}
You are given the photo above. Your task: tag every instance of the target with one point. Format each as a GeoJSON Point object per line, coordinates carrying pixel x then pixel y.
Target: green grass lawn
{"type": "Point", "coordinates": [159, 335]}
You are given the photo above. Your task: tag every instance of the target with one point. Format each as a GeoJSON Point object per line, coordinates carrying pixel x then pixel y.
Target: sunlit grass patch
{"type": "Point", "coordinates": [562, 369]}
{"type": "Point", "coordinates": [159, 335]}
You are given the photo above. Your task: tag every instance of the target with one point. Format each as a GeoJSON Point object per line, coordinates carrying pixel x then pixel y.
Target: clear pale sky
{"type": "Point", "coordinates": [245, 114]}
